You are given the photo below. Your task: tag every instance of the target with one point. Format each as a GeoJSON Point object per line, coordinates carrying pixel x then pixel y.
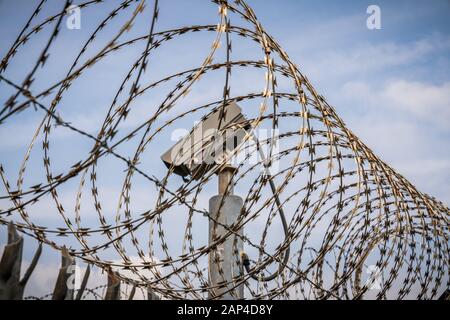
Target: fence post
{"type": "Point", "coordinates": [151, 295]}
{"type": "Point", "coordinates": [61, 290]}
{"type": "Point", "coordinates": [113, 290]}
{"type": "Point", "coordinates": [11, 287]}
{"type": "Point", "coordinates": [83, 283]}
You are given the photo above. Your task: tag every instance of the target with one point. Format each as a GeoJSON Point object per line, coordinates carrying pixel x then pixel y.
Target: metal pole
{"type": "Point", "coordinates": [224, 262]}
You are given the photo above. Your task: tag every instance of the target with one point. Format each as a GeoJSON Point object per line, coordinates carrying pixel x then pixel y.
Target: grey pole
{"type": "Point", "coordinates": [225, 208]}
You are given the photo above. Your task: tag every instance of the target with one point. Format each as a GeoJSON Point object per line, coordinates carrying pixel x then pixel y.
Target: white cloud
{"type": "Point", "coordinates": [426, 101]}
{"type": "Point", "coordinates": [405, 123]}
{"type": "Point", "coordinates": [423, 102]}
{"type": "Point", "coordinates": [368, 57]}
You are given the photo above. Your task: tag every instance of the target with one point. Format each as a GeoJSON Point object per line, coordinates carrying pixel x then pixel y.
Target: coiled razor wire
{"type": "Point", "coordinates": [351, 221]}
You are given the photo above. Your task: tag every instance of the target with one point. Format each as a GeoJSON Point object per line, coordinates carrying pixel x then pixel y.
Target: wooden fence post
{"type": "Point", "coordinates": [113, 290]}
{"type": "Point", "coordinates": [83, 283]}
{"type": "Point", "coordinates": [62, 290]}
{"type": "Point", "coordinates": [11, 286]}
{"type": "Point", "coordinates": [151, 295]}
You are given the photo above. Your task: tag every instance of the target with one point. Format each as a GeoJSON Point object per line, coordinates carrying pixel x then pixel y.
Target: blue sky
{"type": "Point", "coordinates": [390, 86]}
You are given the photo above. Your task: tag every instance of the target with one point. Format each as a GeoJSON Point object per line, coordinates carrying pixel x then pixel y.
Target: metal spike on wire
{"type": "Point", "coordinates": [333, 222]}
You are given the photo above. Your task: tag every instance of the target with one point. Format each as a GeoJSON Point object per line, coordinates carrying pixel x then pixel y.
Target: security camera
{"type": "Point", "coordinates": [209, 143]}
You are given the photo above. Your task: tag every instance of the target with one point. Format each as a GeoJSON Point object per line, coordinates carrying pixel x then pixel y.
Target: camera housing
{"type": "Point", "coordinates": [209, 142]}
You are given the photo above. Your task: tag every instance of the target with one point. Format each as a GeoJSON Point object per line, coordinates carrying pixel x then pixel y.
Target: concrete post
{"type": "Point", "coordinates": [224, 208]}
